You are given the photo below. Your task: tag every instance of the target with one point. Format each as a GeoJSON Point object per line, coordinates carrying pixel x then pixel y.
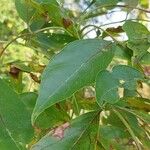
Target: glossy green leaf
{"type": "Point", "coordinates": [137, 106]}
{"type": "Point", "coordinates": [81, 134]}
{"type": "Point", "coordinates": [14, 116]}
{"type": "Point", "coordinates": [107, 83]}
{"type": "Point", "coordinates": [74, 67]}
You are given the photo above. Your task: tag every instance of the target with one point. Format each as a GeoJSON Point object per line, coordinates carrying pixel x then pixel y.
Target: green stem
{"type": "Point", "coordinates": [76, 104]}
{"type": "Point", "coordinates": [98, 134]}
{"type": "Point", "coordinates": [119, 43]}
{"type": "Point", "coordinates": [111, 23]}
{"type": "Point", "coordinates": [10, 42]}
{"type": "Point", "coordinates": [92, 2]}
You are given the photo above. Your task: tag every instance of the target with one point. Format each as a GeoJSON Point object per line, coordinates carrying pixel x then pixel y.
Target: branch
{"type": "Point", "coordinates": [26, 34]}
{"type": "Point", "coordinates": [90, 13]}
{"type": "Point", "coordinates": [111, 23]}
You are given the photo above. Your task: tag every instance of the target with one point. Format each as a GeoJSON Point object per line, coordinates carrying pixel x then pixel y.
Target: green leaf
{"type": "Point", "coordinates": [24, 9]}
{"type": "Point", "coordinates": [138, 37]}
{"type": "Point", "coordinates": [131, 123]}
{"type": "Point", "coordinates": [37, 21]}
{"type": "Point", "coordinates": [49, 118]}
{"type": "Point", "coordinates": [139, 103]}
{"type": "Point", "coordinates": [40, 17]}
{"type": "Point", "coordinates": [59, 17]}
{"type": "Point", "coordinates": [126, 73]}
{"type": "Point", "coordinates": [145, 60]}
{"type": "Point", "coordinates": [33, 12]}
{"type": "Point", "coordinates": [111, 136]}
{"type": "Point", "coordinates": [115, 122]}
{"type": "Point", "coordinates": [106, 88]}
{"type": "Point", "coordinates": [5, 139]}
{"type": "Point", "coordinates": [73, 68]}
{"type": "Point", "coordinates": [135, 31]}
{"type": "Point", "coordinates": [23, 67]}
{"type": "Point", "coordinates": [53, 41]}
{"type": "Point", "coordinates": [139, 49]}
{"type": "Point", "coordinates": [127, 76]}
{"type": "Point", "coordinates": [55, 13]}
{"type": "Point", "coordinates": [29, 100]}
{"type": "Point", "coordinates": [143, 116]}
{"type": "Point", "coordinates": [81, 134]}
{"type": "Point", "coordinates": [135, 126]}
{"type": "Point", "coordinates": [107, 83]}
{"type": "Point", "coordinates": [52, 117]}
{"type": "Point", "coordinates": [14, 116]}
{"type": "Point", "coordinates": [123, 53]}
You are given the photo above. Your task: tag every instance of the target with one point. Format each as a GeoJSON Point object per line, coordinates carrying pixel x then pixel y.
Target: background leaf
{"type": "Point", "coordinates": [14, 116]}
{"type": "Point", "coordinates": [108, 83]}
{"type": "Point", "coordinates": [50, 118]}
{"type": "Point", "coordinates": [106, 88]}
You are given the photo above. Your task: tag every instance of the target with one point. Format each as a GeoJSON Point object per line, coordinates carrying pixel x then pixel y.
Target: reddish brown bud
{"type": "Point", "coordinates": [14, 71]}
{"type": "Point", "coordinates": [66, 22]}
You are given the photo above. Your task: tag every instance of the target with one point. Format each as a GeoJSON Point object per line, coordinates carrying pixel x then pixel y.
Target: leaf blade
{"type": "Point", "coordinates": [11, 108]}
{"type": "Point", "coordinates": [68, 71]}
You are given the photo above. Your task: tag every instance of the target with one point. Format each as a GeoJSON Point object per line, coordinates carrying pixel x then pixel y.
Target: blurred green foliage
{"type": "Point", "coordinates": [45, 31]}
